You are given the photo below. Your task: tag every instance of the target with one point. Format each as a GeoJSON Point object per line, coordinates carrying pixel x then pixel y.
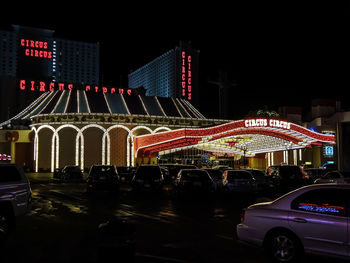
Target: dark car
{"type": "Point", "coordinates": [262, 180]}
{"type": "Point", "coordinates": [193, 181]}
{"type": "Point", "coordinates": [217, 176]}
{"type": "Point", "coordinates": [148, 177]}
{"type": "Point", "coordinates": [286, 177]}
{"type": "Point", "coordinates": [103, 177]}
{"type": "Point", "coordinates": [126, 173]}
{"type": "Point", "coordinates": [171, 170]}
{"type": "Point", "coordinates": [239, 181]}
{"type": "Point", "coordinates": [314, 173]}
{"type": "Point", "coordinates": [72, 173]}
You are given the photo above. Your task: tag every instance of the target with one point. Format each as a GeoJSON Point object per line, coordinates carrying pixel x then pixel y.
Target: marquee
{"type": "Point", "coordinates": [246, 137]}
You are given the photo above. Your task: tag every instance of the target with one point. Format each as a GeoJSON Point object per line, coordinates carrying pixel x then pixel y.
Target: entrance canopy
{"type": "Point", "coordinates": [245, 137]}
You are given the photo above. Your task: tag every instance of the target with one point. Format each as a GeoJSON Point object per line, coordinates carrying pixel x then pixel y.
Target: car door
{"type": "Point", "coordinates": [319, 219]}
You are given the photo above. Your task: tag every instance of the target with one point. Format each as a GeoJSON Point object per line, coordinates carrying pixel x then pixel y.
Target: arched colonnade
{"type": "Point", "coordinates": [80, 143]}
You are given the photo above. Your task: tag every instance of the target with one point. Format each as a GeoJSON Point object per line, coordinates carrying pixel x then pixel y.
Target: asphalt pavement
{"type": "Point", "coordinates": [66, 224]}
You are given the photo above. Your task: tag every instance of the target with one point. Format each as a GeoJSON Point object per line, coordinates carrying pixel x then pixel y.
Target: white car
{"type": "Point", "coordinates": [312, 219]}
{"type": "Point", "coordinates": [334, 177]}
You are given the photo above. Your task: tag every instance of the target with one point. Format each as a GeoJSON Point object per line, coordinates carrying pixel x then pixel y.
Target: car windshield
{"type": "Point", "coordinates": [214, 173]}
{"type": "Point", "coordinates": [72, 169]}
{"type": "Point", "coordinates": [102, 170]}
{"type": "Point", "coordinates": [195, 175]}
{"type": "Point", "coordinates": [232, 175]}
{"type": "Point", "coordinates": [148, 172]}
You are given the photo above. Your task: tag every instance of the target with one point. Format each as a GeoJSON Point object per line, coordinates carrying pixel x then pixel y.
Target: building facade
{"type": "Point", "coordinates": [173, 75]}
{"type": "Point", "coordinates": [35, 54]}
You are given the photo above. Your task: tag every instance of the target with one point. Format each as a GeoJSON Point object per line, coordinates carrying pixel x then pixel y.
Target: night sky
{"type": "Point", "coordinates": [276, 53]}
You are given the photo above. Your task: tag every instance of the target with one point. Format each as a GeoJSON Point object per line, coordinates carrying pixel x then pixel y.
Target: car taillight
{"type": "Point", "coordinates": [242, 215]}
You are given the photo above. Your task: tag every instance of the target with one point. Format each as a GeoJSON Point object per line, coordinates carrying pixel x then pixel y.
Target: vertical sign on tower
{"type": "Point", "coordinates": [186, 76]}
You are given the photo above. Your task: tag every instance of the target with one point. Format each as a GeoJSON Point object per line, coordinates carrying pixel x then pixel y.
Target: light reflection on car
{"type": "Point", "coordinates": [311, 219]}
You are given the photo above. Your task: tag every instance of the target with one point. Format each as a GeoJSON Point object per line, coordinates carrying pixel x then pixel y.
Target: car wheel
{"type": "Point", "coordinates": [283, 246]}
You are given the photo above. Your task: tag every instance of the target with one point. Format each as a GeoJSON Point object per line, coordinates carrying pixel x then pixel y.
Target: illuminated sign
{"type": "Point", "coordinates": [186, 79]}
{"type": "Point", "coordinates": [42, 86]}
{"type": "Point", "coordinates": [253, 123]}
{"type": "Point", "coordinates": [5, 157]}
{"type": "Point", "coordinates": [35, 48]}
{"type": "Point", "coordinates": [329, 151]}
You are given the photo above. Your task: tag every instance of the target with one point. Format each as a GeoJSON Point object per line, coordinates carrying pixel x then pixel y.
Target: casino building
{"type": "Point", "coordinates": [64, 120]}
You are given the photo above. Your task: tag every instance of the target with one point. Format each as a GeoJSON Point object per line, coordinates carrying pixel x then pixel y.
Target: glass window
{"type": "Point", "coordinates": [9, 173]}
{"type": "Point", "coordinates": [321, 201]}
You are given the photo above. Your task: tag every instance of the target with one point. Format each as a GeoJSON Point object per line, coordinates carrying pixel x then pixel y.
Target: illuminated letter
{"type": "Point", "coordinates": [246, 123]}
{"type": "Point", "coordinates": [36, 53]}
{"type": "Point", "coordinates": [129, 91]}
{"type": "Point", "coordinates": [87, 88]}
{"type": "Point", "coordinates": [61, 86]}
{"type": "Point", "coordinates": [42, 86]}
{"type": "Point", "coordinates": [121, 91]}
{"type": "Point", "coordinates": [45, 45]}
{"type": "Point", "coordinates": [32, 87]}
{"type": "Point", "coordinates": [183, 54]}
{"type": "Point", "coordinates": [31, 43]}
{"type": "Point", "coordinates": [104, 89]}
{"type": "Point", "coordinates": [26, 52]}
{"type": "Point", "coordinates": [189, 59]}
{"type": "Point", "coordinates": [22, 84]}
{"type": "Point", "coordinates": [70, 86]}
{"type": "Point", "coordinates": [22, 42]}
{"type": "Point", "coordinates": [96, 88]}
{"type": "Point", "coordinates": [49, 54]}
{"type": "Point", "coordinates": [52, 86]}
{"type": "Point", "coordinates": [112, 90]}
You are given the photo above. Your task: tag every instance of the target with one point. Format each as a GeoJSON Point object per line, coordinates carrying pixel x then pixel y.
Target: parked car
{"type": "Point", "coordinates": [126, 173]}
{"type": "Point", "coordinates": [286, 177]}
{"type": "Point", "coordinates": [171, 170]}
{"type": "Point", "coordinates": [334, 177]}
{"type": "Point", "coordinates": [72, 173]}
{"type": "Point", "coordinates": [148, 177]}
{"type": "Point", "coordinates": [217, 176]}
{"type": "Point", "coordinates": [15, 196]}
{"type": "Point", "coordinates": [314, 173]}
{"type": "Point", "coordinates": [193, 181]}
{"type": "Point", "coordinates": [103, 177]}
{"type": "Point", "coordinates": [239, 181]}
{"type": "Point", "coordinates": [312, 219]}
{"type": "Point", "coordinates": [262, 180]}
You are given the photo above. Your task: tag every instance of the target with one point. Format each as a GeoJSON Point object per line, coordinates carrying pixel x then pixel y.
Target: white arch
{"type": "Point", "coordinates": [103, 142]}
{"type": "Point", "coordinates": [161, 128]}
{"type": "Point", "coordinates": [36, 145]}
{"type": "Point", "coordinates": [106, 134]}
{"type": "Point", "coordinates": [79, 135]}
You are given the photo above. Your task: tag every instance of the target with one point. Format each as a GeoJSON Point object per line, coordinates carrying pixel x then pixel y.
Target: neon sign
{"type": "Point", "coordinates": [266, 123]}
{"type": "Point", "coordinates": [35, 48]}
{"type": "Point", "coordinates": [186, 81]}
{"type": "Point", "coordinates": [42, 86]}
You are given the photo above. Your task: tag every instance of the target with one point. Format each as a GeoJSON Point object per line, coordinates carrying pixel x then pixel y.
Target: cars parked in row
{"type": "Point", "coordinates": [311, 219]}
{"type": "Point", "coordinates": [103, 178]}
{"type": "Point", "coordinates": [15, 196]}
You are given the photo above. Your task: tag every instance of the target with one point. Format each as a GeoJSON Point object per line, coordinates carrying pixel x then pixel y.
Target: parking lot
{"type": "Point", "coordinates": [63, 226]}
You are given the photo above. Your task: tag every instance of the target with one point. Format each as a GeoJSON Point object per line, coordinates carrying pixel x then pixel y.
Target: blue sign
{"type": "Point", "coordinates": [329, 151]}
